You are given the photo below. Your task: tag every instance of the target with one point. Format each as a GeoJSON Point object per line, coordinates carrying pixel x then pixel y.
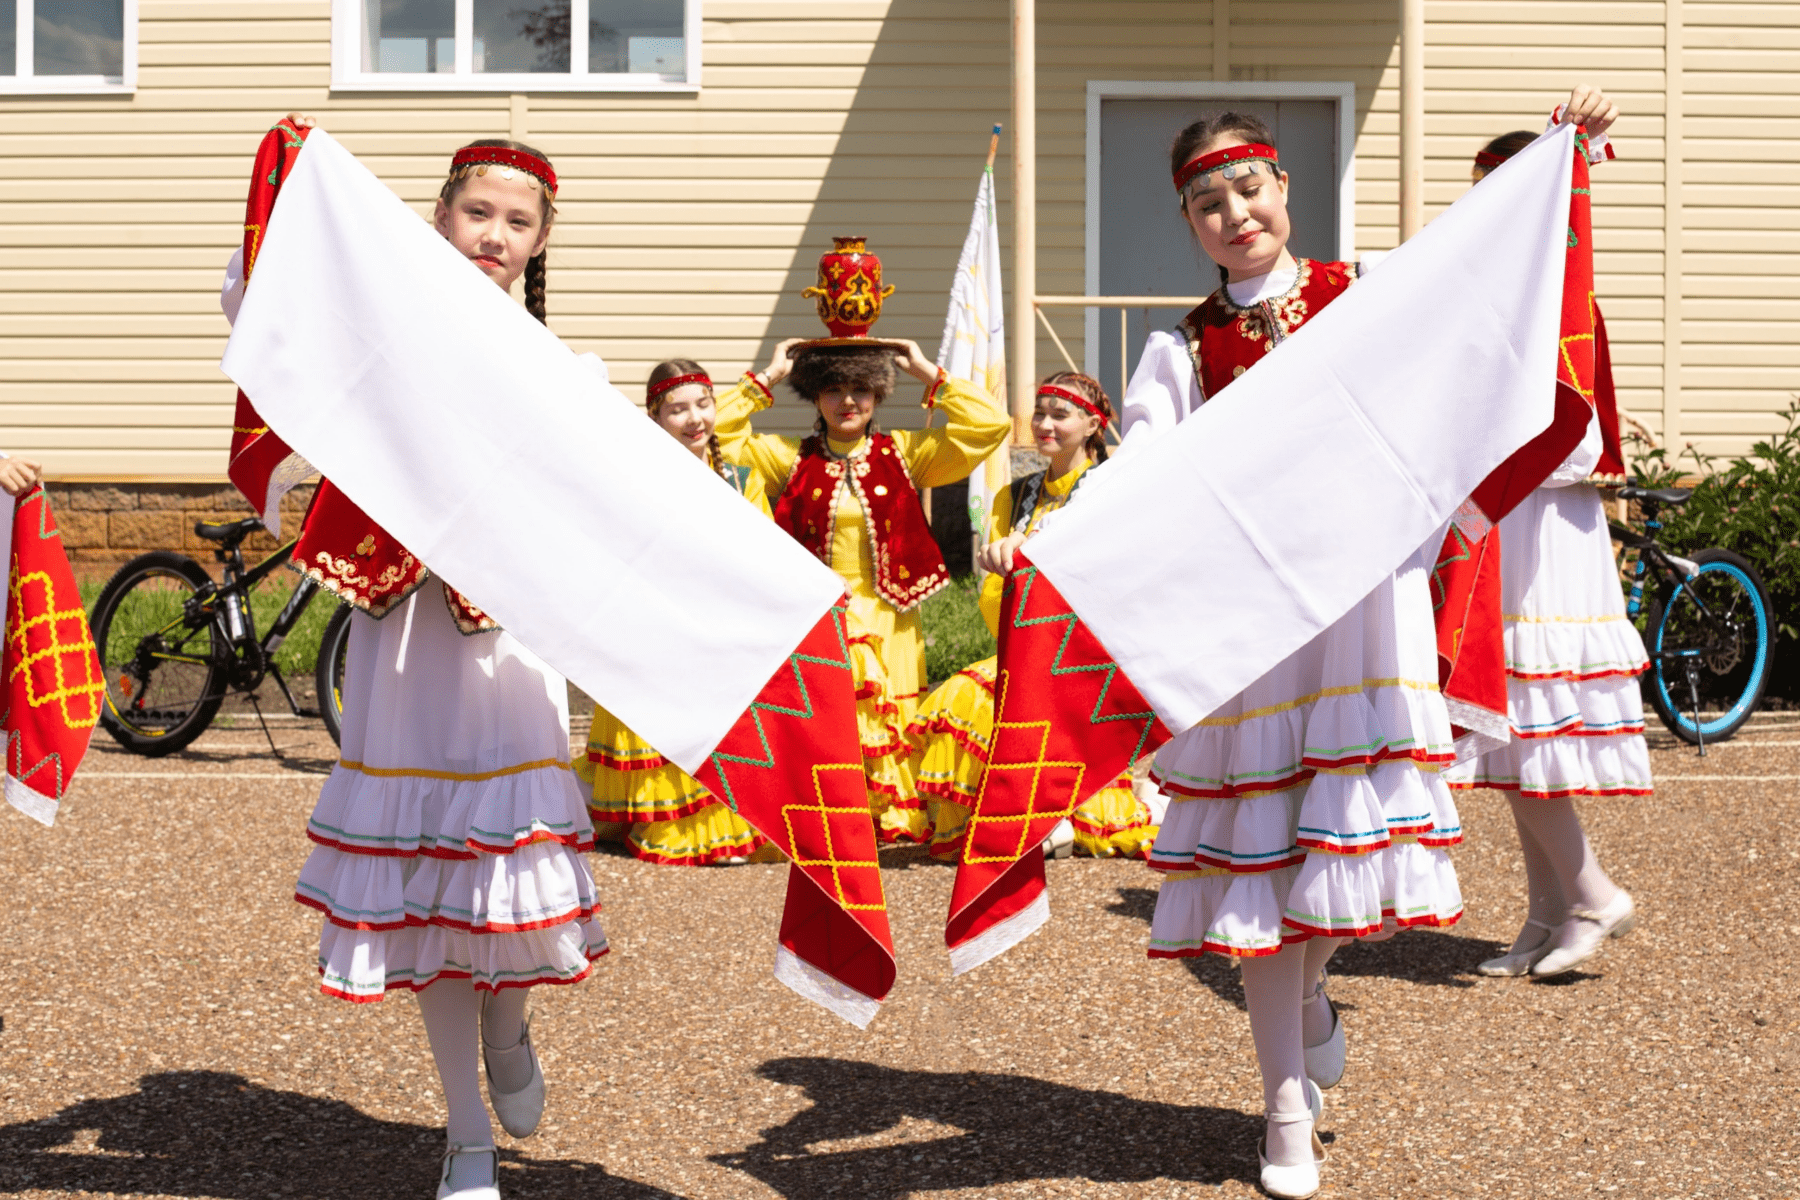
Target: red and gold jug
{"type": "Point", "coordinates": [849, 293]}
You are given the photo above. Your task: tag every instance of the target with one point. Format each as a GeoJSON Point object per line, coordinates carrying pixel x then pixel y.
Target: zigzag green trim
{"type": "Point", "coordinates": [758, 707]}
{"type": "Point", "coordinates": [45, 533]}
{"type": "Point", "coordinates": [1111, 668]}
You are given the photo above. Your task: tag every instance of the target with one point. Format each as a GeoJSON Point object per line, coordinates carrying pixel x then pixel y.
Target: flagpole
{"type": "Point", "coordinates": [1024, 198]}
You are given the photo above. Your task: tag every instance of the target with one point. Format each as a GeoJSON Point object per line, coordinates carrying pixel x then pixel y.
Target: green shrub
{"type": "Point", "coordinates": [955, 634]}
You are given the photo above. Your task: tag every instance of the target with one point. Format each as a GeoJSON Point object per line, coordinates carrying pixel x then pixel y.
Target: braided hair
{"type": "Point", "coordinates": [672, 369]}
{"type": "Point", "coordinates": [1209, 129]}
{"type": "Point", "coordinates": [1089, 387]}
{"type": "Point", "coordinates": [537, 268]}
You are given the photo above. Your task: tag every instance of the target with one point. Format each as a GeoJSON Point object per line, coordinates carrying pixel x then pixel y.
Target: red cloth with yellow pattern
{"type": "Point", "coordinates": [908, 565]}
{"type": "Point", "coordinates": [54, 685]}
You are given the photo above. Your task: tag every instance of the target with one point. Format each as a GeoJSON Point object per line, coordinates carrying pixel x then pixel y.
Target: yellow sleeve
{"type": "Point", "coordinates": [999, 522]}
{"type": "Point", "coordinates": [756, 491]}
{"type": "Point", "coordinates": [769, 455]}
{"type": "Point", "coordinates": [974, 427]}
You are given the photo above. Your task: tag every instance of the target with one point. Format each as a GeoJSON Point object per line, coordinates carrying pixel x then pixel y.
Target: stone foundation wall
{"type": "Point", "coordinates": [103, 524]}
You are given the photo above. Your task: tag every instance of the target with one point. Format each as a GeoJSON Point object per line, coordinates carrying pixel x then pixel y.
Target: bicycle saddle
{"type": "Point", "coordinates": [1660, 495]}
{"type": "Point", "coordinates": [228, 531]}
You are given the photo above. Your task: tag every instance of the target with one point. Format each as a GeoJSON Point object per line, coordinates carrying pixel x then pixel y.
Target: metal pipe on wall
{"type": "Point", "coordinates": [1412, 117]}
{"type": "Point", "coordinates": [1023, 368]}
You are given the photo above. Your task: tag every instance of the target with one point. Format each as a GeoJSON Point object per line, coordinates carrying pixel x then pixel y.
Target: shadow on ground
{"type": "Point", "coordinates": [1428, 956]}
{"type": "Point", "coordinates": [204, 1133]}
{"type": "Point", "coordinates": [876, 1132]}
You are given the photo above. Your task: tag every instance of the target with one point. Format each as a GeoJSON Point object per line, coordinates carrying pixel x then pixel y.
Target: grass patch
{"type": "Point", "coordinates": [146, 609]}
{"type": "Point", "coordinates": [955, 634]}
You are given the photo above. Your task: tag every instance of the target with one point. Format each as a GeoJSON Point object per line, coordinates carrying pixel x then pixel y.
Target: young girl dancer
{"type": "Point", "coordinates": [955, 727]}
{"type": "Point", "coordinates": [449, 836]}
{"type": "Point", "coordinates": [849, 493]}
{"type": "Point", "coordinates": [1572, 661]}
{"type": "Point", "coordinates": [662, 813]}
{"type": "Point", "coordinates": [1308, 810]}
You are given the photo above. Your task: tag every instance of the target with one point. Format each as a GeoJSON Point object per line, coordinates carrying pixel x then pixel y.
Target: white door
{"type": "Point", "coordinates": [1145, 248]}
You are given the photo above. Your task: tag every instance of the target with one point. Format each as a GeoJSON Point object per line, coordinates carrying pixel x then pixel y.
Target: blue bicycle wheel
{"type": "Point", "coordinates": [1710, 641]}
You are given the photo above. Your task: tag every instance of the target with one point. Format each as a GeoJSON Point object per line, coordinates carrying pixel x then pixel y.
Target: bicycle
{"type": "Point", "coordinates": [173, 642]}
{"type": "Point", "coordinates": [1709, 629]}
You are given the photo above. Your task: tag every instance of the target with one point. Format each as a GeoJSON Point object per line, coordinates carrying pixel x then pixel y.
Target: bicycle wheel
{"type": "Point", "coordinates": [164, 658]}
{"type": "Point", "coordinates": [328, 676]}
{"type": "Point", "coordinates": [1719, 624]}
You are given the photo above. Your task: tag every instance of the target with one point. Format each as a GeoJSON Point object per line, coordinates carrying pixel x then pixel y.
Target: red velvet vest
{"type": "Point", "coordinates": [908, 565]}
{"type": "Point", "coordinates": [1225, 340]}
{"type": "Point", "coordinates": [352, 556]}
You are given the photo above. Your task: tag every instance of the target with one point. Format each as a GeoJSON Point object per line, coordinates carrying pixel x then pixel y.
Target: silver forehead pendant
{"type": "Point", "coordinates": [1230, 172]}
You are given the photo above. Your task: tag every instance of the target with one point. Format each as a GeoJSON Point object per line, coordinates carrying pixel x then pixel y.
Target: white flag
{"type": "Point", "coordinates": [974, 345]}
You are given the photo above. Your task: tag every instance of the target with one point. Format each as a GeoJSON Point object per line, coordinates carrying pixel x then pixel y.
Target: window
{"type": "Point", "coordinates": [514, 45]}
{"type": "Point", "coordinates": [68, 46]}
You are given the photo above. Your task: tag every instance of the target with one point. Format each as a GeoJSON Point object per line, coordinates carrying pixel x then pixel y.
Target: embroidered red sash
{"type": "Point", "coordinates": [908, 564]}
{"type": "Point", "coordinates": [339, 545]}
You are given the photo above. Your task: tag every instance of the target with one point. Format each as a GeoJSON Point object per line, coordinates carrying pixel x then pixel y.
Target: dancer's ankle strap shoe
{"type": "Point", "coordinates": [1290, 1182]}
{"type": "Point", "coordinates": [458, 1156]}
{"type": "Point", "coordinates": [1519, 962]}
{"type": "Point", "coordinates": [1325, 1062]}
{"type": "Point", "coordinates": [1580, 937]}
{"type": "Point", "coordinates": [518, 1112]}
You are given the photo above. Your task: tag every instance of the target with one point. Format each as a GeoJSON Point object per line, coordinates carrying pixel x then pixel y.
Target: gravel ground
{"type": "Point", "coordinates": [163, 1035]}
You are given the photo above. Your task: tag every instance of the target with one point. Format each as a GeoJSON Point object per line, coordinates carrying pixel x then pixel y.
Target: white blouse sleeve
{"type": "Point", "coordinates": [1162, 393]}
{"type": "Point", "coordinates": [1581, 461]}
{"type": "Point", "coordinates": [231, 290]}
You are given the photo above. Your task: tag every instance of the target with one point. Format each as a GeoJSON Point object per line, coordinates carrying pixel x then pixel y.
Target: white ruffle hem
{"type": "Point", "coordinates": [1572, 658]}
{"type": "Point", "coordinates": [1311, 804]}
{"type": "Point", "coordinates": [448, 838]}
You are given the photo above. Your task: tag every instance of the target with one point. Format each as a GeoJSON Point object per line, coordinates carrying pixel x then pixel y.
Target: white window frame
{"type": "Point", "coordinates": [1098, 89]}
{"type": "Point", "coordinates": [25, 83]}
{"type": "Point", "coordinates": [347, 74]}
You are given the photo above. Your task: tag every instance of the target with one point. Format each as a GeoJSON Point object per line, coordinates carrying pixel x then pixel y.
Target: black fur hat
{"type": "Point", "coordinates": [856, 367]}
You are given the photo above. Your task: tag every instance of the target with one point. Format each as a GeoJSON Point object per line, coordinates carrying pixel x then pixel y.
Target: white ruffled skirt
{"type": "Point", "coordinates": [449, 836]}
{"type": "Point", "coordinates": [1311, 805]}
{"type": "Point", "coordinates": [1572, 658]}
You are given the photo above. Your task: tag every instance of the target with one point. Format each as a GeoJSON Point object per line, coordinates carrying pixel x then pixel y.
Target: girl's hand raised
{"type": "Point", "coordinates": [1589, 106]}
{"type": "Point", "coordinates": [781, 362]}
{"type": "Point", "coordinates": [301, 121]}
{"type": "Point", "coordinates": [19, 475]}
{"type": "Point", "coordinates": [914, 362]}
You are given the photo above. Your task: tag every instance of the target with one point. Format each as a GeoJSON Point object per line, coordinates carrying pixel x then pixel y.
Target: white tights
{"type": "Point", "coordinates": [1561, 872]}
{"type": "Point", "coordinates": [1273, 988]}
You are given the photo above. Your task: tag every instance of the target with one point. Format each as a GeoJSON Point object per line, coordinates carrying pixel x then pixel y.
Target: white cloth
{"type": "Point", "coordinates": [1582, 460]}
{"type": "Point", "coordinates": [231, 288]}
{"type": "Point", "coordinates": [1258, 520]}
{"type": "Point", "coordinates": [1572, 657]}
{"type": "Point", "coordinates": [478, 440]}
{"type": "Point", "coordinates": [448, 838]}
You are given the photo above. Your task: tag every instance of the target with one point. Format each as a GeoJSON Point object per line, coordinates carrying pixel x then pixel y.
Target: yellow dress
{"type": "Point", "coordinates": [662, 813]}
{"type": "Point", "coordinates": [887, 645]}
{"type": "Point", "coordinates": [955, 726]}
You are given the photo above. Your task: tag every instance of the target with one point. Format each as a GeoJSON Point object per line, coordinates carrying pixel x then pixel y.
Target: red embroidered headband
{"type": "Point", "coordinates": [1078, 400]}
{"type": "Point", "coordinates": [1488, 159]}
{"type": "Point", "coordinates": [1226, 161]}
{"type": "Point", "coordinates": [670, 384]}
{"type": "Point", "coordinates": [500, 156]}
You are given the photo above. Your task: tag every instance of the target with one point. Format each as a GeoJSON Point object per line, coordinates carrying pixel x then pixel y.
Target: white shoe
{"type": "Point", "coordinates": [1061, 842]}
{"type": "Point", "coordinates": [1519, 962]}
{"type": "Point", "coordinates": [481, 1191]}
{"type": "Point", "coordinates": [1325, 1062]}
{"type": "Point", "coordinates": [518, 1112]}
{"type": "Point", "coordinates": [1295, 1182]}
{"type": "Point", "coordinates": [1577, 939]}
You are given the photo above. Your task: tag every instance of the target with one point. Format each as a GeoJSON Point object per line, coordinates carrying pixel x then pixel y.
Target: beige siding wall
{"type": "Point", "coordinates": [690, 223]}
